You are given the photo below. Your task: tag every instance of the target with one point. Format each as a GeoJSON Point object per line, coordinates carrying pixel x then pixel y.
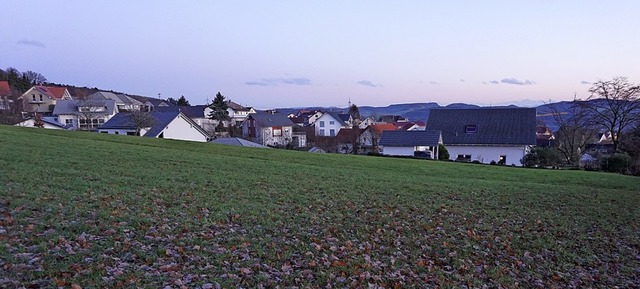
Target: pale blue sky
{"type": "Point", "coordinates": [308, 53]}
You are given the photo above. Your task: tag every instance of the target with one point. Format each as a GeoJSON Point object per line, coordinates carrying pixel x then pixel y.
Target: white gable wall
{"type": "Point", "coordinates": [324, 125]}
{"type": "Point", "coordinates": [486, 154]}
{"type": "Point", "coordinates": [181, 129]}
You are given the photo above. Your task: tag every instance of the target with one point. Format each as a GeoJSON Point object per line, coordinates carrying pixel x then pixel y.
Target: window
{"type": "Point", "coordinates": [321, 123]}
{"type": "Point", "coordinates": [41, 97]}
{"type": "Point", "coordinates": [463, 158]}
{"type": "Point", "coordinates": [332, 122]}
{"type": "Point", "coordinates": [33, 96]}
{"type": "Point", "coordinates": [321, 132]}
{"type": "Point", "coordinates": [68, 121]}
{"type": "Point", "coordinates": [471, 128]}
{"type": "Point", "coordinates": [277, 131]}
{"type": "Point", "coordinates": [332, 132]}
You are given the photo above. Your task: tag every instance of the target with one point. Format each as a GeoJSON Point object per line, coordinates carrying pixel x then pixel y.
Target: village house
{"type": "Point", "coordinates": [48, 122]}
{"type": "Point", "coordinates": [330, 123]}
{"type": "Point", "coordinates": [42, 99]}
{"type": "Point", "coordinates": [418, 143]}
{"type": "Point", "coordinates": [87, 114]}
{"type": "Point", "coordinates": [168, 124]}
{"type": "Point", "coordinates": [370, 137]}
{"type": "Point", "coordinates": [270, 129]}
{"type": "Point", "coordinates": [238, 113]}
{"type": "Point", "coordinates": [501, 135]}
{"type": "Point", "coordinates": [5, 96]}
{"type": "Point", "coordinates": [347, 141]}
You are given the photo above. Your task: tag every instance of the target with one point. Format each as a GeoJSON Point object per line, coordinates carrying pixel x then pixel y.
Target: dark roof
{"type": "Point", "coordinates": [236, 141]}
{"type": "Point", "coordinates": [265, 119]}
{"type": "Point", "coordinates": [194, 111]}
{"type": "Point", "coordinates": [348, 135]}
{"type": "Point", "coordinates": [401, 138]}
{"type": "Point", "coordinates": [343, 118]}
{"type": "Point", "coordinates": [70, 106]}
{"type": "Point", "coordinates": [124, 120]}
{"type": "Point", "coordinates": [162, 119]}
{"type": "Point", "coordinates": [493, 126]}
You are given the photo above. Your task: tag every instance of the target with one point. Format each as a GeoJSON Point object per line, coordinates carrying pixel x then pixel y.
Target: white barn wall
{"type": "Point", "coordinates": [486, 154]}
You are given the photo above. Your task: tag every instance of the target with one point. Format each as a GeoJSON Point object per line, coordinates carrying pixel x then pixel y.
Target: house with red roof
{"type": "Point", "coordinates": [42, 99]}
{"type": "Point", "coordinates": [369, 138]}
{"type": "Point", "coordinates": [5, 95]}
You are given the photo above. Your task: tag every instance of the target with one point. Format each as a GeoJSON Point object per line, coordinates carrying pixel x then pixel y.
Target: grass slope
{"type": "Point", "coordinates": [113, 211]}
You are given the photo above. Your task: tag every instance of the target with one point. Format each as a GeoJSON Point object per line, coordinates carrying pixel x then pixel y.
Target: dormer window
{"type": "Point", "coordinates": [471, 128]}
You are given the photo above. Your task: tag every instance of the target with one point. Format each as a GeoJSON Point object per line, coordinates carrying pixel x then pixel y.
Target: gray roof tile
{"type": "Point", "coordinates": [401, 138]}
{"type": "Point", "coordinates": [493, 126]}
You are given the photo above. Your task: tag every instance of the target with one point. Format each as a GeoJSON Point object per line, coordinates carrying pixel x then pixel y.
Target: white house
{"type": "Point", "coordinates": [238, 113]}
{"type": "Point", "coordinates": [420, 143]}
{"type": "Point", "coordinates": [330, 123]}
{"type": "Point", "coordinates": [169, 125]}
{"type": "Point", "coordinates": [503, 135]}
{"type": "Point", "coordinates": [85, 114]}
{"type": "Point", "coordinates": [48, 122]}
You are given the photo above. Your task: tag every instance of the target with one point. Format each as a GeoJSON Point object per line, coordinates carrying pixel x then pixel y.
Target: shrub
{"type": "Point", "coordinates": [542, 157]}
{"type": "Point", "coordinates": [617, 163]}
{"type": "Point", "coordinates": [443, 153]}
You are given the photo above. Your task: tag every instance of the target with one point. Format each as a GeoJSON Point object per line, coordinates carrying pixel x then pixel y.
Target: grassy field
{"type": "Point", "coordinates": [98, 210]}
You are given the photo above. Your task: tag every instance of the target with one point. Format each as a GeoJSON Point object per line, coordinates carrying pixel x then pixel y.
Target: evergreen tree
{"type": "Point", "coordinates": [354, 111]}
{"type": "Point", "coordinates": [182, 101]}
{"type": "Point", "coordinates": [219, 110]}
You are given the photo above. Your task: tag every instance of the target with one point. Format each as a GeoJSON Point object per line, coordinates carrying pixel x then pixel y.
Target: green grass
{"type": "Point", "coordinates": [116, 211]}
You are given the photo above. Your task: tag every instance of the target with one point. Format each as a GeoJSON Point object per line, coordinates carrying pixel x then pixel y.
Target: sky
{"type": "Point", "coordinates": [269, 54]}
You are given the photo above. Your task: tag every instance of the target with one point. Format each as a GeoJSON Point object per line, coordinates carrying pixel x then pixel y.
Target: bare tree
{"type": "Point", "coordinates": [574, 130]}
{"type": "Point", "coordinates": [34, 78]}
{"type": "Point", "coordinates": [141, 120]}
{"type": "Point", "coordinates": [614, 105]}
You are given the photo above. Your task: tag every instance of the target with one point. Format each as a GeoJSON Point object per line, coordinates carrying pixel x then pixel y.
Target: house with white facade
{"type": "Point", "coordinates": [270, 129]}
{"type": "Point", "coordinates": [42, 99]}
{"type": "Point", "coordinates": [169, 125]}
{"type": "Point", "coordinates": [237, 113]}
{"type": "Point", "coordinates": [419, 143]}
{"type": "Point", "coordinates": [86, 114]}
{"type": "Point", "coordinates": [48, 122]}
{"type": "Point", "coordinates": [330, 123]}
{"type": "Point", "coordinates": [503, 135]}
